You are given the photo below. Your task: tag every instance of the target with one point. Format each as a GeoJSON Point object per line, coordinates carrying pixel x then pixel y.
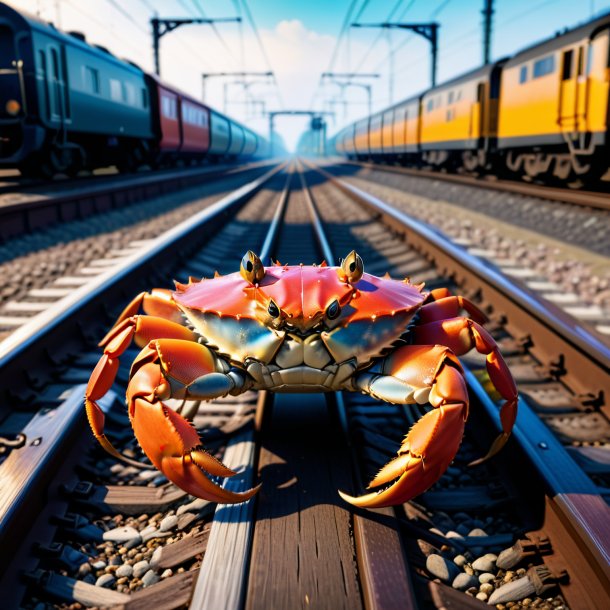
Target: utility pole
{"type": "Point", "coordinates": [488, 11]}
{"type": "Point", "coordinates": [429, 31]}
{"type": "Point", "coordinates": [315, 115]}
{"type": "Point", "coordinates": [161, 27]}
{"type": "Point", "coordinates": [207, 75]}
{"type": "Point", "coordinates": [332, 76]}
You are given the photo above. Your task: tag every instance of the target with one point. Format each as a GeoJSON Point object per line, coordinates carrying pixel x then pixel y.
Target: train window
{"type": "Point", "coordinates": [42, 60]}
{"type": "Point", "coordinates": [544, 66]}
{"type": "Point", "coordinates": [450, 114]}
{"type": "Point", "coordinates": [129, 94]}
{"type": "Point", "coordinates": [450, 97]}
{"type": "Point", "coordinates": [92, 80]}
{"type": "Point", "coordinates": [169, 108]}
{"type": "Point", "coordinates": [144, 98]}
{"type": "Point", "coordinates": [581, 52]}
{"type": "Point", "coordinates": [56, 92]}
{"type": "Point", "coordinates": [523, 74]}
{"type": "Point", "coordinates": [430, 105]}
{"type": "Point", "coordinates": [589, 60]}
{"type": "Point", "coordinates": [116, 91]}
{"type": "Point", "coordinates": [568, 59]}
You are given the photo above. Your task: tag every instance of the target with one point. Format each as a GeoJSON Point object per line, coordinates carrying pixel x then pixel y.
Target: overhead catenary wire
{"type": "Point", "coordinates": [216, 31]}
{"type": "Point", "coordinates": [378, 37]}
{"type": "Point", "coordinates": [104, 26]}
{"type": "Point", "coordinates": [435, 13]}
{"type": "Point", "coordinates": [252, 23]}
{"type": "Point", "coordinates": [344, 28]}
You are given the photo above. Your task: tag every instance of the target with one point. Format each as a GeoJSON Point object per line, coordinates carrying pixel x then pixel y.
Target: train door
{"type": "Point", "coordinates": [11, 76]}
{"type": "Point", "coordinates": [482, 118]}
{"type": "Point", "coordinates": [580, 103]}
{"type": "Point", "coordinates": [59, 110]}
{"type": "Point", "coordinates": [569, 89]}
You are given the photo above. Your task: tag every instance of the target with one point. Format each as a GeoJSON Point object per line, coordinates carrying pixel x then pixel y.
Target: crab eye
{"type": "Point", "coordinates": [273, 309]}
{"type": "Point", "coordinates": [351, 268]}
{"type": "Point", "coordinates": [333, 310]}
{"type": "Point", "coordinates": [251, 268]}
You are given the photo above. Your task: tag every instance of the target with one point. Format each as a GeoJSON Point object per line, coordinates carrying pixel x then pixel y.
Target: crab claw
{"type": "Point", "coordinates": [167, 438]}
{"type": "Point", "coordinates": [429, 447]}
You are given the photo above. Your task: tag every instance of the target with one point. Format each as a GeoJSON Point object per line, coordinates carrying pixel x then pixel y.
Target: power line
{"type": "Point", "coordinates": [242, 47]}
{"type": "Point", "coordinates": [216, 32]}
{"type": "Point", "coordinates": [378, 37]}
{"type": "Point", "coordinates": [262, 48]}
{"type": "Point", "coordinates": [344, 29]}
{"type": "Point", "coordinates": [104, 26]}
{"type": "Point", "coordinates": [127, 15]}
{"type": "Point", "coordinates": [409, 38]}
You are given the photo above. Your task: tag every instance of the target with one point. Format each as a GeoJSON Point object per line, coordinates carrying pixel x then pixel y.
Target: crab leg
{"type": "Point", "coordinates": [141, 329]}
{"type": "Point", "coordinates": [461, 335]}
{"type": "Point", "coordinates": [418, 373]}
{"type": "Point", "coordinates": [449, 307]}
{"type": "Point", "coordinates": [158, 302]}
{"type": "Point", "coordinates": [170, 368]}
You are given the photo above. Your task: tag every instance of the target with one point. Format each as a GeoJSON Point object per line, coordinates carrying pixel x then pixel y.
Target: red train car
{"type": "Point", "coordinates": [181, 123]}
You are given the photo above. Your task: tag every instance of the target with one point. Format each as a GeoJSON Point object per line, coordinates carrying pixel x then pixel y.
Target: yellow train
{"type": "Point", "coordinates": [543, 113]}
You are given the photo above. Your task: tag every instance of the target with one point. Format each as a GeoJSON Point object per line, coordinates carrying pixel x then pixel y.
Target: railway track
{"type": "Point", "coordinates": [41, 269]}
{"type": "Point", "coordinates": [591, 199]}
{"type": "Point", "coordinates": [297, 544]}
{"type": "Point", "coordinates": [557, 251]}
{"type": "Point", "coordinates": [28, 206]}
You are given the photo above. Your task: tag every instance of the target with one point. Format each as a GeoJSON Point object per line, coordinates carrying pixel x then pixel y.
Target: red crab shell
{"type": "Point", "coordinates": [377, 310]}
{"type": "Point", "coordinates": [302, 293]}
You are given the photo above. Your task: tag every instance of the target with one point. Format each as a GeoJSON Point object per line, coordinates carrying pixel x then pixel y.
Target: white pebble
{"type": "Point", "coordinates": [486, 577]}
{"type": "Point", "coordinates": [167, 573]}
{"type": "Point", "coordinates": [147, 475]}
{"type": "Point", "coordinates": [140, 568]}
{"type": "Point", "coordinates": [150, 578]}
{"type": "Point", "coordinates": [156, 556]}
{"type": "Point", "coordinates": [98, 565]}
{"type": "Point", "coordinates": [477, 531]}
{"type": "Point", "coordinates": [482, 596]}
{"type": "Point", "coordinates": [441, 568]}
{"type": "Point", "coordinates": [168, 523]}
{"type": "Point", "coordinates": [105, 580]}
{"type": "Point", "coordinates": [195, 505]}
{"type": "Point", "coordinates": [460, 560]}
{"type": "Point", "coordinates": [464, 581]}
{"type": "Point", "coordinates": [487, 563]}
{"type": "Point", "coordinates": [124, 570]}
{"type": "Point", "coordinates": [122, 534]}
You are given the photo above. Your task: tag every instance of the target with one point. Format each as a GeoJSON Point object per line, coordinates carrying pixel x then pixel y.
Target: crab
{"type": "Point", "coordinates": [299, 329]}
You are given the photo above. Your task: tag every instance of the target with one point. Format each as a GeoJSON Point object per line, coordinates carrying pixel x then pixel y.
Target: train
{"type": "Point", "coordinates": [66, 105]}
{"type": "Point", "coordinates": [540, 115]}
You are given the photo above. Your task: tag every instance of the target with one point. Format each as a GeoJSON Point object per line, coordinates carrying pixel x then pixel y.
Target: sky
{"type": "Point", "coordinates": [296, 40]}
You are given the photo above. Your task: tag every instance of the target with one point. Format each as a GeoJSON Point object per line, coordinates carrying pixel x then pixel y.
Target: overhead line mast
{"type": "Point", "coordinates": [161, 27]}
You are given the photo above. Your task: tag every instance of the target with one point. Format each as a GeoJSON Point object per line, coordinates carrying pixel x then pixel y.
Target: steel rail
{"type": "Point", "coordinates": [378, 546]}
{"type": "Point", "coordinates": [34, 211]}
{"type": "Point", "coordinates": [222, 578]}
{"type": "Point", "coordinates": [558, 339]}
{"type": "Point", "coordinates": [573, 498]}
{"type": "Point", "coordinates": [591, 199]}
{"type": "Point", "coordinates": [27, 472]}
{"type": "Point", "coordinates": [27, 347]}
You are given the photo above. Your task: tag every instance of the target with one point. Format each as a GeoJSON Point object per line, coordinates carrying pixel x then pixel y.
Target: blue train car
{"type": "Point", "coordinates": [65, 104]}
